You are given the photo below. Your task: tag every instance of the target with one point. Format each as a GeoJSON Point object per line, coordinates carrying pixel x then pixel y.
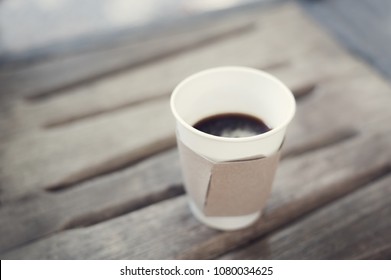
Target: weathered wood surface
{"type": "Point", "coordinates": [323, 234]}
{"type": "Point", "coordinates": [40, 80]}
{"type": "Point", "coordinates": [339, 170]}
{"type": "Point", "coordinates": [91, 202]}
{"type": "Point", "coordinates": [81, 178]}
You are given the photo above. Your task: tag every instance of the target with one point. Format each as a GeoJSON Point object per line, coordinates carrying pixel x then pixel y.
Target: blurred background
{"type": "Point", "coordinates": [28, 25]}
{"type": "Point", "coordinates": [33, 28]}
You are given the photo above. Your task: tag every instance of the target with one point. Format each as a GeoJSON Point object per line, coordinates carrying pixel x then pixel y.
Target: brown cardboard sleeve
{"type": "Point", "coordinates": [231, 188]}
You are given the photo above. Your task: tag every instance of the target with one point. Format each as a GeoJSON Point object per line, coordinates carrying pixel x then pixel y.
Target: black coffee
{"type": "Point", "coordinates": [232, 125]}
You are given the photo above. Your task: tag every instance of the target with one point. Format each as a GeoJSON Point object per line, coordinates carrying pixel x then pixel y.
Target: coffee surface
{"type": "Point", "coordinates": [233, 125]}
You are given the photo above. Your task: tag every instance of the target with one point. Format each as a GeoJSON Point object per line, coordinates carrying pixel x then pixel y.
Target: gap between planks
{"type": "Point", "coordinates": [154, 57]}
{"type": "Point", "coordinates": [301, 91]}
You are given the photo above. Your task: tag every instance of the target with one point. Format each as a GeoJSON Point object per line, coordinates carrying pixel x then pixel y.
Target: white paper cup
{"type": "Point", "coordinates": [231, 90]}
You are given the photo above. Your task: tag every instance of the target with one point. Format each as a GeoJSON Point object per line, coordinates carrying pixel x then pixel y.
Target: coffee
{"type": "Point", "coordinates": [233, 125]}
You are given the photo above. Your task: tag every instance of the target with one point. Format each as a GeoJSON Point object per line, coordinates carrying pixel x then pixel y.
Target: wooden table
{"type": "Point", "coordinates": [89, 167]}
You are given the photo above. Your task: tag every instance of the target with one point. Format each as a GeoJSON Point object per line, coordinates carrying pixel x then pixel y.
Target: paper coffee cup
{"type": "Point", "coordinates": [219, 91]}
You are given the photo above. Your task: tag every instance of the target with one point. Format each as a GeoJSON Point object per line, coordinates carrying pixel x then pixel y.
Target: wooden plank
{"type": "Point", "coordinates": [57, 73]}
{"type": "Point", "coordinates": [61, 157]}
{"type": "Point", "coordinates": [44, 213]}
{"type": "Point", "coordinates": [355, 23]}
{"type": "Point", "coordinates": [168, 230]}
{"type": "Point", "coordinates": [357, 226]}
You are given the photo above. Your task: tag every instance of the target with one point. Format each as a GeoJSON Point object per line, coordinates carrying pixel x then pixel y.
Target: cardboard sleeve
{"type": "Point", "coordinates": [232, 188]}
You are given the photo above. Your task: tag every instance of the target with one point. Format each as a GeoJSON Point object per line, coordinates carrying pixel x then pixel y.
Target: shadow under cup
{"type": "Point", "coordinates": [231, 90]}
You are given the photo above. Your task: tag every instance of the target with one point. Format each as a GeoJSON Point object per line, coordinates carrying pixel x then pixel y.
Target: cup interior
{"type": "Point", "coordinates": [233, 90]}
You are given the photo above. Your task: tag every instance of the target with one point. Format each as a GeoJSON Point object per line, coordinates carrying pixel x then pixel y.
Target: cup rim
{"type": "Point", "coordinates": [274, 130]}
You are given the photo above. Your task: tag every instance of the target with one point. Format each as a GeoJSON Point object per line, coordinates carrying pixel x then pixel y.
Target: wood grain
{"type": "Point", "coordinates": [56, 73]}
{"type": "Point", "coordinates": [61, 157]}
{"type": "Point", "coordinates": [338, 171]}
{"type": "Point", "coordinates": [354, 227]}
{"type": "Point", "coordinates": [109, 196]}
{"type": "Point", "coordinates": [44, 213]}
